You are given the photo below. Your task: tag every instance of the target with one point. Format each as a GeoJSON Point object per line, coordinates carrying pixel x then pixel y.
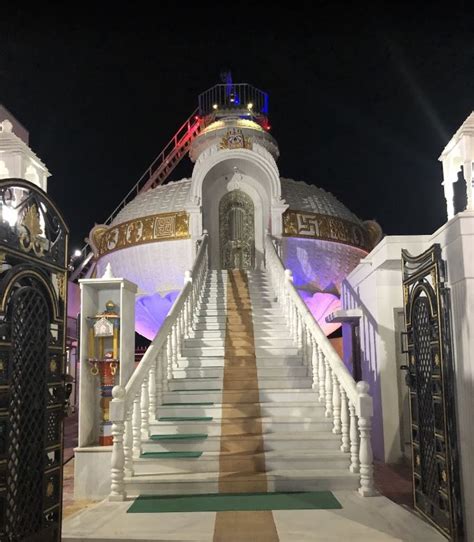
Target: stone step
{"type": "Point", "coordinates": [223, 311]}
{"type": "Point", "coordinates": [275, 331]}
{"type": "Point", "coordinates": [262, 361]}
{"type": "Point", "coordinates": [276, 480]}
{"type": "Point", "coordinates": [236, 341]}
{"type": "Point", "coordinates": [268, 424]}
{"type": "Point", "coordinates": [210, 351]}
{"type": "Point", "coordinates": [244, 462]}
{"type": "Point", "coordinates": [264, 395]}
{"type": "Point", "coordinates": [246, 410]}
{"type": "Point", "coordinates": [214, 323]}
{"type": "Point", "coordinates": [212, 372]}
{"type": "Point", "coordinates": [242, 384]}
{"type": "Point", "coordinates": [276, 318]}
{"type": "Point", "coordinates": [271, 441]}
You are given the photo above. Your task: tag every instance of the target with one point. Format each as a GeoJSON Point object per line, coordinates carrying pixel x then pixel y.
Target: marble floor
{"type": "Point", "coordinates": [374, 519]}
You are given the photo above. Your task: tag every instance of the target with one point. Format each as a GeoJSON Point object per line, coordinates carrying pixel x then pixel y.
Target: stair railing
{"type": "Point", "coordinates": [134, 406]}
{"type": "Point", "coordinates": [156, 174]}
{"type": "Point", "coordinates": [345, 400]}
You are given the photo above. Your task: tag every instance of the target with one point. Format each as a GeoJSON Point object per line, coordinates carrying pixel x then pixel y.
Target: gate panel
{"type": "Point", "coordinates": [33, 280]}
{"type": "Point", "coordinates": [430, 378]}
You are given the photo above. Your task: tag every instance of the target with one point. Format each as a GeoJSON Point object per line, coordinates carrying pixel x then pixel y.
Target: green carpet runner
{"type": "Point", "coordinates": [311, 500]}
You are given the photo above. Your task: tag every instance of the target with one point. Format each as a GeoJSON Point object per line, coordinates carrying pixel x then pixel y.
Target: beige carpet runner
{"type": "Point", "coordinates": [242, 458]}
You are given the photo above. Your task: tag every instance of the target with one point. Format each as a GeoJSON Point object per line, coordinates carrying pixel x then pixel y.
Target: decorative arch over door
{"type": "Point", "coordinates": [237, 231]}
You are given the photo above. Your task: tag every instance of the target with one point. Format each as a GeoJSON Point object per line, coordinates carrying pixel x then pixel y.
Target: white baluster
{"type": "Point", "coordinates": [299, 340]}
{"type": "Point", "coordinates": [169, 359]}
{"type": "Point", "coordinates": [345, 442]}
{"type": "Point", "coordinates": [322, 376]}
{"type": "Point", "coordinates": [304, 346]}
{"type": "Point", "coordinates": [160, 361]}
{"type": "Point", "coordinates": [174, 344]}
{"type": "Point", "coordinates": [365, 447]}
{"type": "Point", "coordinates": [117, 486]}
{"type": "Point", "coordinates": [354, 436]}
{"type": "Point", "coordinates": [328, 386]}
{"type": "Point", "coordinates": [336, 405]}
{"type": "Point", "coordinates": [128, 444]}
{"type": "Point", "coordinates": [145, 405]}
{"type": "Point", "coordinates": [315, 363]}
{"type": "Point", "coordinates": [117, 463]}
{"type": "Point", "coordinates": [152, 391]}
{"type": "Point", "coordinates": [137, 427]}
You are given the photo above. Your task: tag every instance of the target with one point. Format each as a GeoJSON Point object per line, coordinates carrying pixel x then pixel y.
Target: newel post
{"type": "Point", "coordinates": [365, 412]}
{"type": "Point", "coordinates": [117, 463]}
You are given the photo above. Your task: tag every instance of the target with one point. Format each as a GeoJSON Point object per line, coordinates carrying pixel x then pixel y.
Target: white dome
{"type": "Point", "coordinates": [172, 197]}
{"type": "Point", "coordinates": [162, 199]}
{"type": "Point", "coordinates": [306, 197]}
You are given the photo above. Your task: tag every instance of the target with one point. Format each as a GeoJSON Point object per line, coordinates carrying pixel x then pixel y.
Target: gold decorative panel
{"type": "Point", "coordinates": [327, 228]}
{"type": "Point", "coordinates": [235, 139]}
{"type": "Point", "coordinates": [149, 229]}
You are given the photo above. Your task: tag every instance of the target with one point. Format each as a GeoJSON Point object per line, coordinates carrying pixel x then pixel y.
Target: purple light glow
{"type": "Point", "coordinates": [151, 312]}
{"type": "Point", "coordinates": [321, 305]}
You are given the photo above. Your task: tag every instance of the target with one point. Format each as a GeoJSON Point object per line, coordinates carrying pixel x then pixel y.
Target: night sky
{"type": "Point", "coordinates": [362, 99]}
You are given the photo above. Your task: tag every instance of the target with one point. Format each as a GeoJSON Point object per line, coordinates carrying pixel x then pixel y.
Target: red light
{"type": "Point", "coordinates": [268, 127]}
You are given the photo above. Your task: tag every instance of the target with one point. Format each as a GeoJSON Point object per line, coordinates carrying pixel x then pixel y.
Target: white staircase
{"type": "Point", "coordinates": [299, 451]}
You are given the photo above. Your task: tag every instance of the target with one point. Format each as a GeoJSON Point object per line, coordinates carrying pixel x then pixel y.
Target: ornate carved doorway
{"type": "Point", "coordinates": [430, 378]}
{"type": "Point", "coordinates": [237, 231]}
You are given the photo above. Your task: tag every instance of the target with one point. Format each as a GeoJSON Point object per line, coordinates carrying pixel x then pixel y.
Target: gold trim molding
{"type": "Point", "coordinates": [308, 225]}
{"type": "Point", "coordinates": [149, 229]}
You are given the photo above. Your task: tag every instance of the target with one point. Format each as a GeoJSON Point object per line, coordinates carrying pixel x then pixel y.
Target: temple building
{"type": "Point", "coordinates": [291, 345]}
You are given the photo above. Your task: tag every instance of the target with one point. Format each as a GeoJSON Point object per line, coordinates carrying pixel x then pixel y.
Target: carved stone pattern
{"type": "Point", "coordinates": [327, 228]}
{"type": "Point", "coordinates": [162, 227]}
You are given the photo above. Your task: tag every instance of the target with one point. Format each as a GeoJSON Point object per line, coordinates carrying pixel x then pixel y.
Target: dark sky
{"type": "Point", "coordinates": [363, 98]}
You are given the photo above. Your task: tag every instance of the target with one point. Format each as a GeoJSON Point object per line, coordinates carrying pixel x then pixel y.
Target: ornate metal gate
{"type": "Point", "coordinates": [33, 251]}
{"type": "Point", "coordinates": [430, 378]}
{"type": "Point", "coordinates": [237, 231]}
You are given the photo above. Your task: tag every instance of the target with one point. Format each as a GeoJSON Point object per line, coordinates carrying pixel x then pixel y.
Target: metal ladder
{"type": "Point", "coordinates": [156, 174]}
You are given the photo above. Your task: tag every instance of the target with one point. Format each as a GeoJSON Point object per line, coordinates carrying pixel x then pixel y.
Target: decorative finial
{"type": "Point", "coordinates": [6, 126]}
{"type": "Point", "coordinates": [108, 272]}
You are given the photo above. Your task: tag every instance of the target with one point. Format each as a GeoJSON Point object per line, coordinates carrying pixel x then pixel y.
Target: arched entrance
{"type": "Point", "coordinates": [237, 231]}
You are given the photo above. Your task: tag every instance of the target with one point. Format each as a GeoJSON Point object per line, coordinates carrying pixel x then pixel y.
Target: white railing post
{"type": "Point", "coordinates": [145, 406]}
{"type": "Point", "coordinates": [345, 442]}
{"type": "Point", "coordinates": [117, 463]}
{"type": "Point", "coordinates": [159, 381]}
{"type": "Point", "coordinates": [328, 386]}
{"type": "Point", "coordinates": [354, 437]}
{"type": "Point", "coordinates": [315, 363]}
{"type": "Point", "coordinates": [336, 405]}
{"type": "Point", "coordinates": [365, 413]}
{"type": "Point", "coordinates": [169, 358]}
{"type": "Point", "coordinates": [174, 344]}
{"type": "Point", "coordinates": [322, 376]}
{"type": "Point", "coordinates": [128, 444]}
{"type": "Point", "coordinates": [137, 427]}
{"type": "Point", "coordinates": [152, 391]}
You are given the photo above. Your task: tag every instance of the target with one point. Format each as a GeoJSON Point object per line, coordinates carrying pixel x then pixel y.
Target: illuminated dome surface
{"type": "Point", "coordinates": [319, 266]}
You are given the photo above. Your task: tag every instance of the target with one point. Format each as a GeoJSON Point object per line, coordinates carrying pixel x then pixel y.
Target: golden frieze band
{"type": "Point", "coordinates": [149, 229]}
{"type": "Point", "coordinates": [308, 225]}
